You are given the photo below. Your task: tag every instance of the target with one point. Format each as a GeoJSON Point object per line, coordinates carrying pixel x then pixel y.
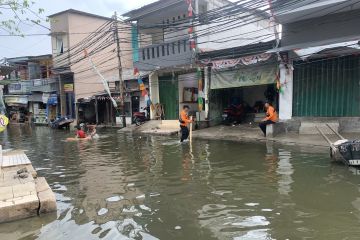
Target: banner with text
{"type": "Point", "coordinates": [243, 77]}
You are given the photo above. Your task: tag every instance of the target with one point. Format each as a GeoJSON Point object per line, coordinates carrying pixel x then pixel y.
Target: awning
{"type": "Point", "coordinates": [248, 76]}
{"type": "Point", "coordinates": [286, 48]}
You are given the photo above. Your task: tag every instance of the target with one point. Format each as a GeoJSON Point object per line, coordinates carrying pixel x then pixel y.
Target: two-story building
{"type": "Point", "coordinates": [169, 36]}
{"type": "Point", "coordinates": [31, 89]}
{"type": "Point", "coordinates": [81, 43]}
{"type": "Point", "coordinates": [320, 67]}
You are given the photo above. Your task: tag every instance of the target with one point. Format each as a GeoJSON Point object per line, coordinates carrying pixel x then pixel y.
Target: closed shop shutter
{"type": "Point", "coordinates": [327, 88]}
{"type": "Point", "coordinates": [169, 95]}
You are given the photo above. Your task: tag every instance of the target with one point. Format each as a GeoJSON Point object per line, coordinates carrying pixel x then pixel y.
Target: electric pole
{"type": "Point", "coordinates": [121, 82]}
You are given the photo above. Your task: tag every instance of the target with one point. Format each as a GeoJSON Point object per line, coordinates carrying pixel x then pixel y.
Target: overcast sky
{"type": "Point", "coordinates": [18, 46]}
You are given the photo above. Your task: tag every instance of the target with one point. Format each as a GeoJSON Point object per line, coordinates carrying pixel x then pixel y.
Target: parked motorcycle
{"type": "Point", "coordinates": [140, 118]}
{"type": "Point", "coordinates": [233, 114]}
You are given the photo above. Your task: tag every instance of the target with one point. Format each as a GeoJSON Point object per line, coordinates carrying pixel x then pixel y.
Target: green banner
{"type": "Point", "coordinates": [249, 76]}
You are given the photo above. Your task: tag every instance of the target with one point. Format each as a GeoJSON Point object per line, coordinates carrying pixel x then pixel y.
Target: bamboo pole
{"type": "Point", "coordinates": [191, 127]}
{"type": "Point", "coordinates": [334, 131]}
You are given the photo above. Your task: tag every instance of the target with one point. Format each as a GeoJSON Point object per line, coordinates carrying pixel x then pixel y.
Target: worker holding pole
{"type": "Point", "coordinates": [185, 120]}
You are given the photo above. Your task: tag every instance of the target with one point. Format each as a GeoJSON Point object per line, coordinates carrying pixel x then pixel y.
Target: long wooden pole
{"type": "Point", "coordinates": [191, 127]}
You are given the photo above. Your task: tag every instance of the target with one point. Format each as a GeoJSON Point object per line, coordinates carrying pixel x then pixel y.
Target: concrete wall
{"type": "Point", "coordinates": [227, 37]}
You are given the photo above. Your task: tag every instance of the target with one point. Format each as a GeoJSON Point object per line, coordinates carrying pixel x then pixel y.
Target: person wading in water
{"type": "Point", "coordinates": [271, 117]}
{"type": "Point", "coordinates": [184, 121]}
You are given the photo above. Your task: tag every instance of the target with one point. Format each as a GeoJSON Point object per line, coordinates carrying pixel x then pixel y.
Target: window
{"type": "Point", "coordinates": [185, 45]}
{"type": "Point", "coordinates": [148, 53]}
{"type": "Point", "coordinates": [179, 47]}
{"type": "Point", "coordinates": [59, 45]}
{"type": "Point", "coordinates": [163, 50]}
{"type": "Point", "coordinates": [168, 49]}
{"type": "Point", "coordinates": [153, 52]}
{"type": "Point", "coordinates": [158, 51]}
{"type": "Point", "coordinates": [173, 48]}
{"type": "Point", "coordinates": [173, 19]}
{"type": "Point", "coordinates": [143, 54]}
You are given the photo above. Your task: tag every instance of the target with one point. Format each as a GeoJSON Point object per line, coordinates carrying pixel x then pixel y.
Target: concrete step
{"type": "Point", "coordinates": [169, 124]}
{"type": "Point", "coordinates": [309, 128]}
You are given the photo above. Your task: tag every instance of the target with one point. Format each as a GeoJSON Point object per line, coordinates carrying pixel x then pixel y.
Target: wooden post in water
{"type": "Point", "coordinates": [191, 127]}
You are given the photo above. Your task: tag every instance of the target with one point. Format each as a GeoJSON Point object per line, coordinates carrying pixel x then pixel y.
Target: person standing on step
{"type": "Point", "coordinates": [271, 117]}
{"type": "Point", "coordinates": [184, 122]}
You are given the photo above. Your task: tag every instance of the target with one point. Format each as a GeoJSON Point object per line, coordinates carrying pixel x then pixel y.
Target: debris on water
{"type": "Point", "coordinates": [266, 210]}
{"type": "Point", "coordinates": [251, 204]}
{"type": "Point", "coordinates": [177, 228]}
{"type": "Point", "coordinates": [143, 207]}
{"type": "Point", "coordinates": [132, 209]}
{"type": "Point", "coordinates": [154, 194]}
{"type": "Point", "coordinates": [102, 211]}
{"type": "Point", "coordinates": [131, 184]}
{"type": "Point", "coordinates": [140, 196]}
{"type": "Point", "coordinates": [114, 199]}
{"type": "Point", "coordinates": [221, 193]}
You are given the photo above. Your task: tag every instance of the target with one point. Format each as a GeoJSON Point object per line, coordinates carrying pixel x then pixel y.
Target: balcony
{"type": "Point", "coordinates": [35, 85]}
{"type": "Point", "coordinates": [168, 54]}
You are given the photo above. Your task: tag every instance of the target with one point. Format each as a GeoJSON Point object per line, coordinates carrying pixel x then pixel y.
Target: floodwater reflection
{"type": "Point", "coordinates": [126, 186]}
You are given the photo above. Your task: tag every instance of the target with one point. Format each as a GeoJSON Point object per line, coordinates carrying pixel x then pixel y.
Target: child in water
{"type": "Point", "coordinates": [92, 132]}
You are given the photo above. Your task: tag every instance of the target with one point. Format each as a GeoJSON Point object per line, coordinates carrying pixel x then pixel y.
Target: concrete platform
{"type": "Point", "coordinates": [22, 195]}
{"type": "Point", "coordinates": [156, 127]}
{"type": "Point", "coordinates": [252, 133]}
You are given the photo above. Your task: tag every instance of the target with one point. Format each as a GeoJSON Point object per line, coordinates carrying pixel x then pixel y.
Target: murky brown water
{"type": "Point", "coordinates": [140, 187]}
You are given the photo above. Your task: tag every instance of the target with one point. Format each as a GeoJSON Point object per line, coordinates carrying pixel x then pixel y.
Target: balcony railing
{"type": "Point", "coordinates": [164, 55]}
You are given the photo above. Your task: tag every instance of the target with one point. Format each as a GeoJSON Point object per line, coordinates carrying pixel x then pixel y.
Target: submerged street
{"type": "Point", "coordinates": [125, 186]}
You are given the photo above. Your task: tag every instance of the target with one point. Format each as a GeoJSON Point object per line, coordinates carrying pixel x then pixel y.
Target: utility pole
{"type": "Point", "coordinates": [122, 95]}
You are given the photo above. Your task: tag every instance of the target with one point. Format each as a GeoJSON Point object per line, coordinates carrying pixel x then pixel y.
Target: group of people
{"type": "Point", "coordinates": [184, 119]}
{"type": "Point", "coordinates": [91, 133]}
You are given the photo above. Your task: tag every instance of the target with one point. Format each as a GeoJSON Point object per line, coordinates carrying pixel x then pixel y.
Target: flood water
{"type": "Point", "coordinates": [126, 186]}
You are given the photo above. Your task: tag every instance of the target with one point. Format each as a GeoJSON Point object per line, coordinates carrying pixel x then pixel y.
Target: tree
{"type": "Point", "coordinates": [13, 13]}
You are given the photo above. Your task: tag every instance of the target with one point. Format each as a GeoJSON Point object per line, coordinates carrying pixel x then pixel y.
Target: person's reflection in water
{"type": "Point", "coordinates": [187, 164]}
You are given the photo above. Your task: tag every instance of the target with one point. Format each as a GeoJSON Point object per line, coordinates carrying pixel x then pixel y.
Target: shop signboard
{"type": "Point", "coordinates": [69, 87]}
{"type": "Point", "coordinates": [16, 100]}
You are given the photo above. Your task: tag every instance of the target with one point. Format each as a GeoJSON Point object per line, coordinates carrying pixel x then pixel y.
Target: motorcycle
{"type": "Point", "coordinates": [233, 114]}
{"type": "Point", "coordinates": [140, 118]}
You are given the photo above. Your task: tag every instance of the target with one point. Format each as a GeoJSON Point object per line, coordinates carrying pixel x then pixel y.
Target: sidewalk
{"type": "Point", "coordinates": [22, 195]}
{"type": "Point", "coordinates": [253, 133]}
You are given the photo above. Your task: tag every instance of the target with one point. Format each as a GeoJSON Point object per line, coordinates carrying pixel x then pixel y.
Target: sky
{"type": "Point", "coordinates": [30, 45]}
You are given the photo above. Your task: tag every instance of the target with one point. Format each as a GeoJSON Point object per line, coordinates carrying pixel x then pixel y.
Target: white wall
{"type": "Point", "coordinates": [192, 83]}
{"type": "Point", "coordinates": [154, 90]}
{"type": "Point", "coordinates": [286, 97]}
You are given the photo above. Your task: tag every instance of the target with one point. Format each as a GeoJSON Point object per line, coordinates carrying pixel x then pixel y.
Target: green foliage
{"type": "Point", "coordinates": [16, 12]}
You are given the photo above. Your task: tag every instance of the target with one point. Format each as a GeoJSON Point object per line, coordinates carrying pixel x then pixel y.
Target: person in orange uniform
{"type": "Point", "coordinates": [271, 117]}
{"type": "Point", "coordinates": [184, 121]}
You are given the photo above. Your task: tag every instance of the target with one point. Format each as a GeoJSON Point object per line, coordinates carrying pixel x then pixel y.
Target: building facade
{"type": "Point", "coordinates": [84, 43]}
{"type": "Point", "coordinates": [31, 92]}
{"type": "Point", "coordinates": [319, 68]}
{"type": "Point", "coordinates": [168, 43]}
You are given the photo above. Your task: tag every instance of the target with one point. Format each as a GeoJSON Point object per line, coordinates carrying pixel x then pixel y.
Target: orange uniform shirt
{"type": "Point", "coordinates": [271, 114]}
{"type": "Point", "coordinates": [185, 118]}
